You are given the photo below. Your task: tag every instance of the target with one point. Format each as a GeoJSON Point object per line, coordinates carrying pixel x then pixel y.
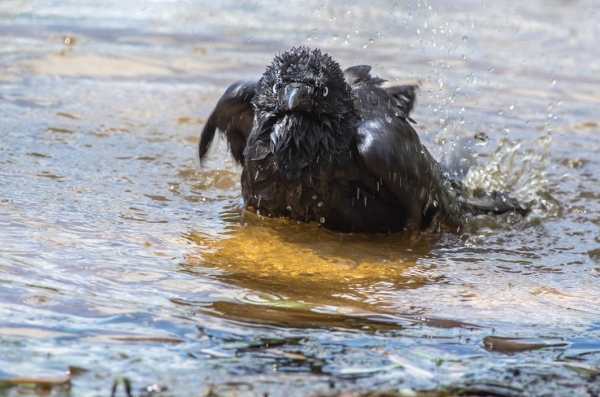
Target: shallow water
{"type": "Point", "coordinates": [121, 257]}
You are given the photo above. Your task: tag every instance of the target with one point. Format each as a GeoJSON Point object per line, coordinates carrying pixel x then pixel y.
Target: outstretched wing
{"type": "Point", "coordinates": [400, 97]}
{"type": "Point", "coordinates": [391, 153]}
{"type": "Point", "coordinates": [233, 116]}
{"type": "Point", "coordinates": [402, 169]}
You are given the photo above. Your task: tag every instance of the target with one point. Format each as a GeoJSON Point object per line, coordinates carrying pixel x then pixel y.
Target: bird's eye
{"type": "Point", "coordinates": [275, 88]}
{"type": "Point", "coordinates": [325, 92]}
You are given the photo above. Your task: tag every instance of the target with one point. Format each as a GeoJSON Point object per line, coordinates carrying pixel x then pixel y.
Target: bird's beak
{"type": "Point", "coordinates": [298, 98]}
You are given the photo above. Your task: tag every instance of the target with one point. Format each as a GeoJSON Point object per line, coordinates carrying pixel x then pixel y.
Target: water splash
{"type": "Point", "coordinates": [520, 172]}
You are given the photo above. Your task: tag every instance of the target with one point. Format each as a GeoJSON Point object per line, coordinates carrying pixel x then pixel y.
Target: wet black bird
{"type": "Point", "coordinates": [319, 144]}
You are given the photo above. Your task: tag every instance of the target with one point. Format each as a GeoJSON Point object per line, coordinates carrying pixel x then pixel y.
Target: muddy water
{"type": "Point", "coordinates": [121, 257]}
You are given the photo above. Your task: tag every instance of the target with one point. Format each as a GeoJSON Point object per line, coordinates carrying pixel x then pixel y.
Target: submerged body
{"type": "Point", "coordinates": [321, 145]}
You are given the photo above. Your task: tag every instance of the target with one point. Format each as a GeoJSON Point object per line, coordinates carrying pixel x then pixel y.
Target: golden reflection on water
{"type": "Point", "coordinates": [286, 253]}
{"type": "Point", "coordinates": [301, 275]}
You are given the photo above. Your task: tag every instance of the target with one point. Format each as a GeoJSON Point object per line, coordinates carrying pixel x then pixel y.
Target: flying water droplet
{"type": "Point", "coordinates": [320, 203]}
{"type": "Point", "coordinates": [314, 197]}
{"type": "Point", "coordinates": [289, 207]}
{"type": "Point", "coordinates": [481, 138]}
{"type": "Point", "coordinates": [322, 220]}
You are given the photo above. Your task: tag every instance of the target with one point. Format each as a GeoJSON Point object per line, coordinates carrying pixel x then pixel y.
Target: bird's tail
{"type": "Point", "coordinates": [494, 202]}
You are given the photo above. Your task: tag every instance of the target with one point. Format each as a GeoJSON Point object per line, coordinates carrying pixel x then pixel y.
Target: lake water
{"type": "Point", "coordinates": [122, 258]}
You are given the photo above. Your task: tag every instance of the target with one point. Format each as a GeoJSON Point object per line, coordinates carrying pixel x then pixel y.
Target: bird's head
{"type": "Point", "coordinates": [304, 107]}
{"type": "Point", "coordinates": [304, 80]}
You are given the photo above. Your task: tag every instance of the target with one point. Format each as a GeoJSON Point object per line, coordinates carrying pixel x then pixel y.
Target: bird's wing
{"type": "Point", "coordinates": [401, 169]}
{"type": "Point", "coordinates": [400, 98]}
{"type": "Point", "coordinates": [233, 116]}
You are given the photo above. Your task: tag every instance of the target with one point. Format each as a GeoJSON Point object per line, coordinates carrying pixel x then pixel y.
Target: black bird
{"type": "Point", "coordinates": [319, 144]}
